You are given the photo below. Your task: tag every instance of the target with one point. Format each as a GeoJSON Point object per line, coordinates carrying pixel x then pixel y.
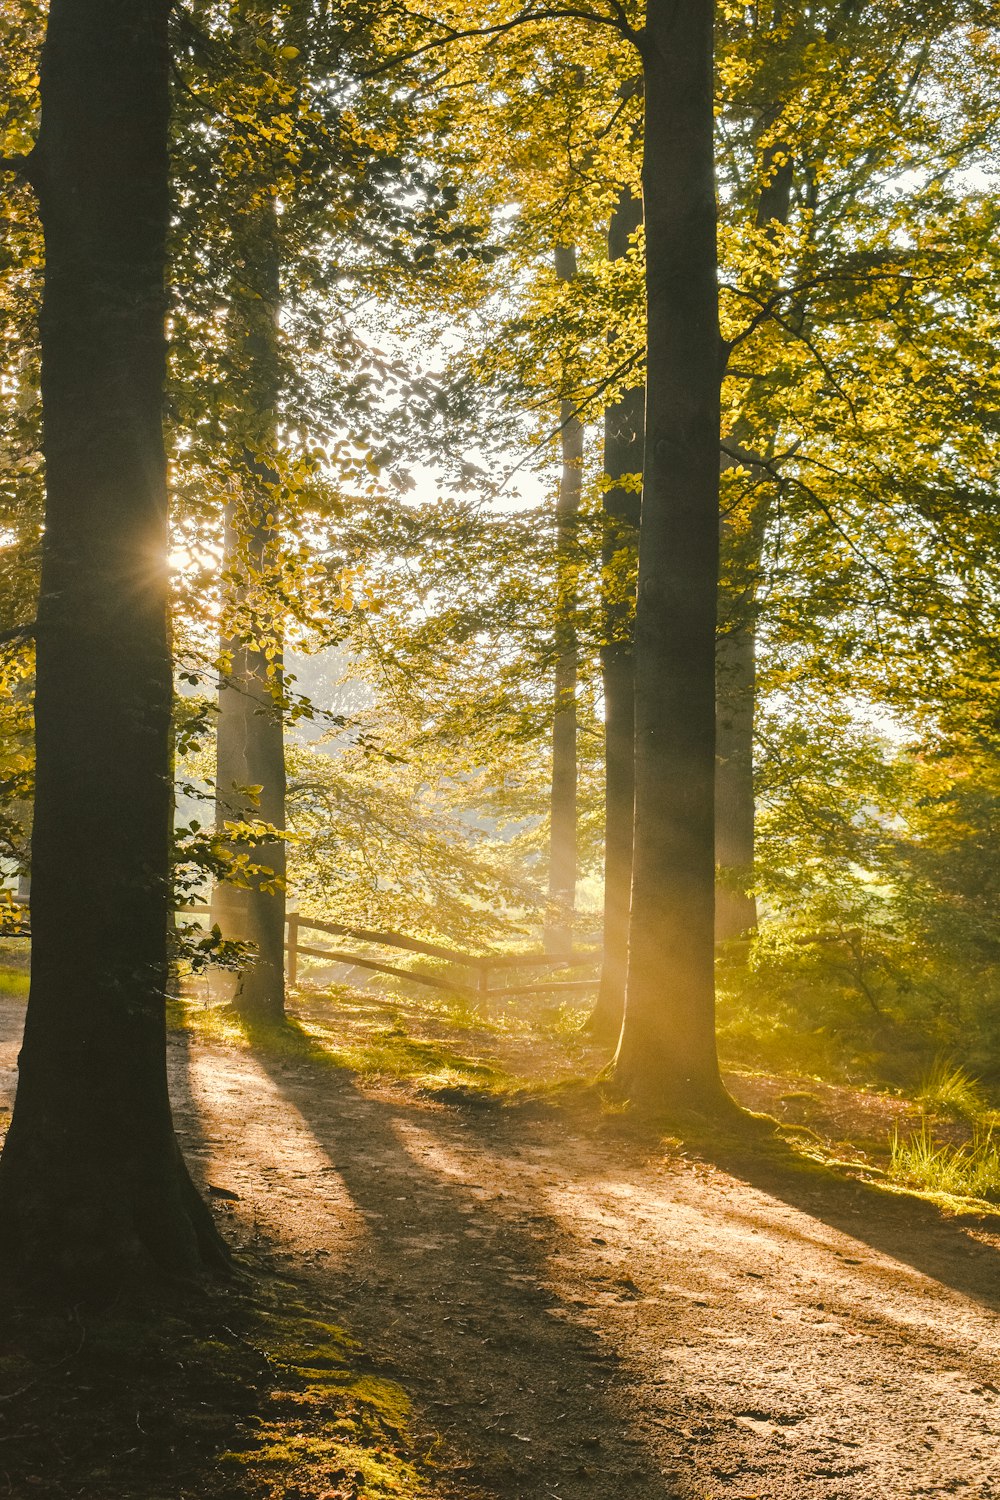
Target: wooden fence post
{"type": "Point", "coordinates": [293, 948]}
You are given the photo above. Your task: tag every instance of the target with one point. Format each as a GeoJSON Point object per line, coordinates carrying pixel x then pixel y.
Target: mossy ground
{"type": "Point", "coordinates": [233, 1395]}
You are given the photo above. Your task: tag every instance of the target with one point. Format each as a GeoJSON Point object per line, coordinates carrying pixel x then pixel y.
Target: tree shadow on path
{"type": "Point", "coordinates": [451, 1287]}
{"type": "Point", "coordinates": [911, 1231]}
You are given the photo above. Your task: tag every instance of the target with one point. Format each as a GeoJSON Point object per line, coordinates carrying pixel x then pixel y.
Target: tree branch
{"type": "Point", "coordinates": [771, 466]}
{"type": "Point", "coordinates": [17, 633]}
{"type": "Point", "coordinates": [617, 21]}
{"type": "Point", "coordinates": [20, 166]}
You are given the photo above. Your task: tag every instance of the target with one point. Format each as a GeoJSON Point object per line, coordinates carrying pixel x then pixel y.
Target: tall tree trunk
{"type": "Point", "coordinates": [562, 837]}
{"type": "Point", "coordinates": [623, 429]}
{"type": "Point", "coordinates": [735, 813]}
{"type": "Point", "coordinates": [667, 1051]}
{"type": "Point", "coordinates": [250, 752]}
{"type": "Point", "coordinates": [736, 666]}
{"type": "Point", "coordinates": [250, 735]}
{"type": "Point", "coordinates": [92, 1183]}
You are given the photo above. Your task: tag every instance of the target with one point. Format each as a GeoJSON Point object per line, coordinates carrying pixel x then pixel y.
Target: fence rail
{"type": "Point", "coordinates": [481, 964]}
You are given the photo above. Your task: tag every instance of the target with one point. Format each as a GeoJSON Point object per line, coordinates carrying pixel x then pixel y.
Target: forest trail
{"type": "Point", "coordinates": [577, 1311]}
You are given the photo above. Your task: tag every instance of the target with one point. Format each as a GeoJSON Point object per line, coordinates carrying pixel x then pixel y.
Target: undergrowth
{"type": "Point", "coordinates": [792, 1009]}
{"type": "Point", "coordinates": [923, 1160]}
{"type": "Point", "coordinates": [949, 1090]}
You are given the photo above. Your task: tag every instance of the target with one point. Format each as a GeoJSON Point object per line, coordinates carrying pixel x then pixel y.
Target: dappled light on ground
{"type": "Point", "coordinates": [278, 1152]}
{"type": "Point", "coordinates": [588, 1309]}
{"type": "Point", "coordinates": [582, 1307]}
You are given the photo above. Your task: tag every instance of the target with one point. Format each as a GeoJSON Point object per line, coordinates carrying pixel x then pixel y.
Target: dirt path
{"type": "Point", "coordinates": [577, 1313]}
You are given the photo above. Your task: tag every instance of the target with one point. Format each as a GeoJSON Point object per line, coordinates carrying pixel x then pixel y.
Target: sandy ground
{"type": "Point", "coordinates": [582, 1313]}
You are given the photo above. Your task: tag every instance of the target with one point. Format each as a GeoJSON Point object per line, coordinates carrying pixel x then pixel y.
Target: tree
{"type": "Point", "coordinates": [742, 537]}
{"type": "Point", "coordinates": [249, 906]}
{"type": "Point", "coordinates": [667, 1051]}
{"type": "Point", "coordinates": [837, 158]}
{"type": "Point", "coordinates": [250, 749]}
{"type": "Point", "coordinates": [562, 803]}
{"type": "Point", "coordinates": [92, 1182]}
{"type": "Point", "coordinates": [623, 435]}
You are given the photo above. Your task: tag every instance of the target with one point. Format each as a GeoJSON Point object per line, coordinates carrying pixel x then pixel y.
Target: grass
{"type": "Point", "coordinates": [970, 1169]}
{"type": "Point", "coordinates": [13, 982]}
{"type": "Point", "coordinates": [964, 1169]}
{"type": "Point", "coordinates": [383, 1048]}
{"type": "Point", "coordinates": [949, 1090]}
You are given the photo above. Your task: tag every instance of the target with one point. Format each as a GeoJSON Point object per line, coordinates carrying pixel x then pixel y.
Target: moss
{"type": "Point", "coordinates": [315, 1464]}
{"type": "Point", "coordinates": [309, 1343]}
{"type": "Point", "coordinates": [229, 1395]}
{"type": "Point", "coordinates": [334, 1432]}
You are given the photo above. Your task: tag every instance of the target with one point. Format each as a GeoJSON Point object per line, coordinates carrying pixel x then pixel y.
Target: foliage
{"type": "Point", "coordinates": [877, 864]}
{"type": "Point", "coordinates": [381, 193]}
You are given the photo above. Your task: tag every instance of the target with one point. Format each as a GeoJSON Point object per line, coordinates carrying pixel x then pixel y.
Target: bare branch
{"type": "Point", "coordinates": [19, 165]}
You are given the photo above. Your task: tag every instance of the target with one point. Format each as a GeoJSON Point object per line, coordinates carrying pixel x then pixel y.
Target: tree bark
{"type": "Point", "coordinates": [250, 736]}
{"type": "Point", "coordinates": [623, 431]}
{"type": "Point", "coordinates": [562, 835]}
{"type": "Point", "coordinates": [667, 1052]}
{"type": "Point", "coordinates": [93, 1187]}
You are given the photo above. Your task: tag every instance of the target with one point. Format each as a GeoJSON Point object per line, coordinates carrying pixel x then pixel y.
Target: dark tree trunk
{"type": "Point", "coordinates": [623, 428]}
{"type": "Point", "coordinates": [667, 1051]}
{"type": "Point", "coordinates": [92, 1184]}
{"type": "Point", "coordinates": [562, 838]}
{"type": "Point", "coordinates": [250, 739]}
{"type": "Point", "coordinates": [736, 906]}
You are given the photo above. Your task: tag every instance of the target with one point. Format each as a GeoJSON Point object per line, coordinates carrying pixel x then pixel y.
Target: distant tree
{"type": "Point", "coordinates": [92, 1182]}
{"type": "Point", "coordinates": [563, 799]}
{"type": "Point", "coordinates": [623, 436]}
{"type": "Point", "coordinates": [250, 779]}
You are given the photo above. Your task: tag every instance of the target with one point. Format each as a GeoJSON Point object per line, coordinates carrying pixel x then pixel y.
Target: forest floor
{"type": "Point", "coordinates": [564, 1303]}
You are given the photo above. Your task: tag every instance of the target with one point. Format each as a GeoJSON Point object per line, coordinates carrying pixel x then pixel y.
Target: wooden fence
{"type": "Point", "coordinates": [480, 965]}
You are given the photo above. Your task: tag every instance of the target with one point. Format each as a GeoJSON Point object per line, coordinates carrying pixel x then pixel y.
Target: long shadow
{"type": "Point", "coordinates": [168, 1391]}
{"type": "Point", "coordinates": [909, 1230]}
{"type": "Point", "coordinates": [449, 1288]}
{"type": "Point", "coordinates": [189, 1125]}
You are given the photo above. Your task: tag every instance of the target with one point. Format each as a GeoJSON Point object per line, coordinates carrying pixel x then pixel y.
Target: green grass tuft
{"type": "Point", "coordinates": [949, 1090]}
{"type": "Point", "coordinates": [968, 1170]}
